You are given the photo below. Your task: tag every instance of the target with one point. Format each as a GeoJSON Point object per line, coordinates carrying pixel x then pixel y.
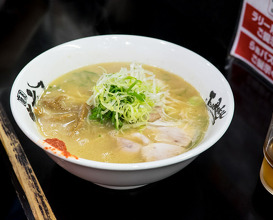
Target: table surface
{"type": "Point", "coordinates": [221, 183]}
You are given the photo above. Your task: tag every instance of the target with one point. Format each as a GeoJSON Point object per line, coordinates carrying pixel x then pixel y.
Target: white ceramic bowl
{"type": "Point", "coordinates": [61, 59]}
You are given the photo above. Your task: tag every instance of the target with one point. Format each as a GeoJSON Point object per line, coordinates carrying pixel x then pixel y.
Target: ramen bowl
{"type": "Point", "coordinates": [43, 69]}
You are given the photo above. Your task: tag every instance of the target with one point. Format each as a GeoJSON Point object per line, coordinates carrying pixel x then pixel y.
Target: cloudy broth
{"type": "Point", "coordinates": [62, 112]}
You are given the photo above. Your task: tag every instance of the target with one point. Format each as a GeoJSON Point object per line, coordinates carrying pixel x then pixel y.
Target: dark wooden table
{"type": "Point", "coordinates": [222, 183]}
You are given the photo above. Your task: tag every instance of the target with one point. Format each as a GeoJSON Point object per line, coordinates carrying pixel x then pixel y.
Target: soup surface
{"type": "Point", "coordinates": [172, 128]}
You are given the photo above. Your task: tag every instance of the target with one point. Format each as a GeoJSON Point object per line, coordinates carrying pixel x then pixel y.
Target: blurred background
{"type": "Point", "coordinates": [30, 27]}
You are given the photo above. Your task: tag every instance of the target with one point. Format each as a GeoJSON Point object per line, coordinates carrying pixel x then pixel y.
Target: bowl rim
{"type": "Point", "coordinates": [191, 154]}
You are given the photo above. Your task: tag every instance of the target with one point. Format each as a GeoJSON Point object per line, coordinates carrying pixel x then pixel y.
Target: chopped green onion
{"type": "Point", "coordinates": [125, 97]}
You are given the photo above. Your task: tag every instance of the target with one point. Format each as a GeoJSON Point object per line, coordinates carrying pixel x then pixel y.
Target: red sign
{"type": "Point", "coordinates": [258, 24]}
{"type": "Point", "coordinates": [254, 40]}
{"type": "Point", "coordinates": [255, 54]}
